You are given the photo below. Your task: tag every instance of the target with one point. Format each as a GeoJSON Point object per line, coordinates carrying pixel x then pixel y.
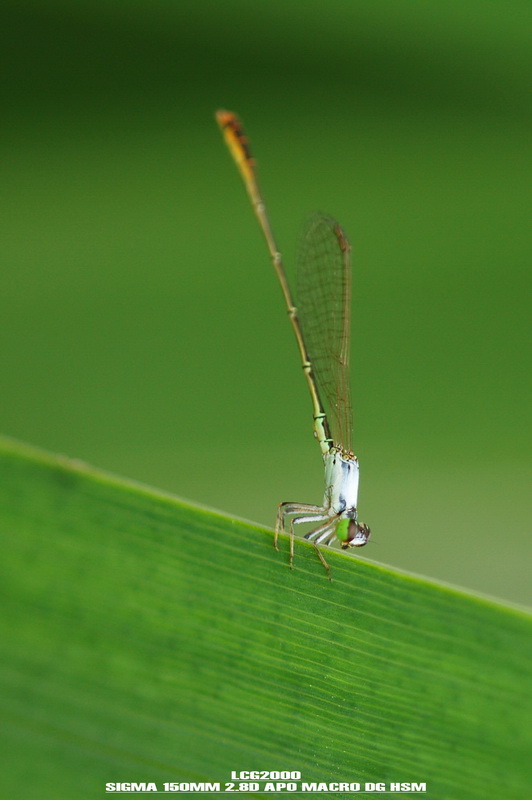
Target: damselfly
{"type": "Point", "coordinates": [321, 323]}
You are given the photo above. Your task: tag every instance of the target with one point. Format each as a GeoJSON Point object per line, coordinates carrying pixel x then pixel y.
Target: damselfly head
{"type": "Point", "coordinates": [352, 533]}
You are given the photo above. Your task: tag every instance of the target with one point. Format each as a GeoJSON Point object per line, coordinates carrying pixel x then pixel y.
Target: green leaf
{"type": "Point", "coordinates": [145, 639]}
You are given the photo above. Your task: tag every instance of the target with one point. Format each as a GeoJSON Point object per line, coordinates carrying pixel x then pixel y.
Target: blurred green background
{"type": "Point", "coordinates": [142, 326]}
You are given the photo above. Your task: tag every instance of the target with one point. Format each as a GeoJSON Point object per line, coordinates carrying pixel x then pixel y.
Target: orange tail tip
{"type": "Point", "coordinates": [224, 118]}
{"type": "Point", "coordinates": [237, 142]}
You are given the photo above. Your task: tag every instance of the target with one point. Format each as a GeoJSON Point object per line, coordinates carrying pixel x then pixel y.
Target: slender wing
{"type": "Point", "coordinates": [324, 304]}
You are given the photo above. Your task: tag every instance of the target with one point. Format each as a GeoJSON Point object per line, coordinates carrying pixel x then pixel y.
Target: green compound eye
{"type": "Point", "coordinates": [342, 530]}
